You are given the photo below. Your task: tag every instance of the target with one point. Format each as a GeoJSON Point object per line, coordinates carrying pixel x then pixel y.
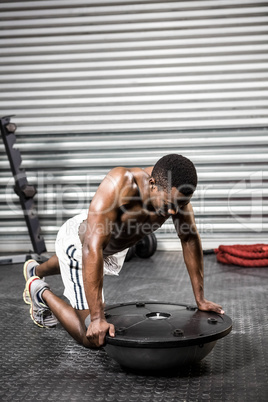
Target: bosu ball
{"type": "Point", "coordinates": [162, 336]}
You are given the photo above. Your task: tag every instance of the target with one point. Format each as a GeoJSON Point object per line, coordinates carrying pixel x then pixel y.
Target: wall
{"type": "Point", "coordinates": [98, 84]}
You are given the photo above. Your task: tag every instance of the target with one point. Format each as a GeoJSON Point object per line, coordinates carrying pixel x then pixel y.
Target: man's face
{"type": "Point", "coordinates": [168, 203]}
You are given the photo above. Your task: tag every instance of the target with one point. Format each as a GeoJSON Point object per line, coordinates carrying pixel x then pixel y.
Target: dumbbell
{"type": "Point", "coordinates": [144, 248]}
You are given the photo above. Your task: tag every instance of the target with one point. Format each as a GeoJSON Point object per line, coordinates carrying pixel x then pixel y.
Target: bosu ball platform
{"type": "Point", "coordinates": [162, 336]}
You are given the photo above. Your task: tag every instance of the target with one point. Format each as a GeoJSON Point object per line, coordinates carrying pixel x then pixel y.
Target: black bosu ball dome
{"type": "Point", "coordinates": [161, 336]}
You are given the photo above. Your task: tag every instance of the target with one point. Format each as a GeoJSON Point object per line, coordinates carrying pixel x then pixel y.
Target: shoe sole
{"type": "Point", "coordinates": [28, 288]}
{"type": "Point", "coordinates": [25, 295]}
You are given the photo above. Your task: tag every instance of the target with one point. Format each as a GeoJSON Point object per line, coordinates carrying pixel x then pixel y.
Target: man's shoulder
{"type": "Point", "coordinates": [125, 174]}
{"type": "Point", "coordinates": [129, 171]}
{"type": "Point", "coordinates": [121, 173]}
{"type": "Point", "coordinates": [120, 177]}
{"type": "Point", "coordinates": [118, 170]}
{"type": "Point", "coordinates": [123, 170]}
{"type": "Point", "coordinates": [117, 184]}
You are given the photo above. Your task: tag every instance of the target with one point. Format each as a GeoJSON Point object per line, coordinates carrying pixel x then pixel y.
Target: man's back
{"type": "Point", "coordinates": [121, 209]}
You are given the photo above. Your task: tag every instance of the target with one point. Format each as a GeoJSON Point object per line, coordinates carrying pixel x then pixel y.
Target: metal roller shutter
{"type": "Point", "coordinates": [97, 84]}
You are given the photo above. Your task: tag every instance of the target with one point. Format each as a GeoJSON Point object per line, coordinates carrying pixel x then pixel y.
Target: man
{"type": "Point", "coordinates": [128, 204]}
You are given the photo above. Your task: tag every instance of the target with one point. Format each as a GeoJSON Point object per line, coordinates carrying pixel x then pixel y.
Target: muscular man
{"type": "Point", "coordinates": [128, 204]}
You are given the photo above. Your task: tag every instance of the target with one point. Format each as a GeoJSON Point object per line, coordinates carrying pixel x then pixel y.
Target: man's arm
{"type": "Point", "coordinates": [102, 215]}
{"type": "Point", "coordinates": [93, 284]}
{"type": "Point", "coordinates": [193, 256]}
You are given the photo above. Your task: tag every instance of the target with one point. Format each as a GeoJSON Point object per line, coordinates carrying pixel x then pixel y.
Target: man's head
{"type": "Point", "coordinates": [173, 181]}
{"type": "Point", "coordinates": [175, 171]}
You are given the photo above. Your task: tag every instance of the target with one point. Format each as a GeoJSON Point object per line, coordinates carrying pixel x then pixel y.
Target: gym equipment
{"type": "Point", "coordinates": [254, 255]}
{"type": "Point", "coordinates": [244, 255]}
{"type": "Point", "coordinates": [144, 248]}
{"type": "Point", "coordinates": [155, 336]}
{"type": "Point", "coordinates": [130, 253]}
{"type": "Point", "coordinates": [24, 190]}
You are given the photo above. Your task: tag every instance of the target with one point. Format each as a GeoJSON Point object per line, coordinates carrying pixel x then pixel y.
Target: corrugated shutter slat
{"type": "Point", "coordinates": [95, 84]}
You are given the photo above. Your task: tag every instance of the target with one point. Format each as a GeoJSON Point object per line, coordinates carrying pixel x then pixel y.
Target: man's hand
{"type": "Point", "coordinates": [206, 305]}
{"type": "Point", "coordinates": [97, 330]}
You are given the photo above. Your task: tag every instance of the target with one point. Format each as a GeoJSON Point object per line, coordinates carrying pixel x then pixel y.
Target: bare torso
{"type": "Point", "coordinates": [133, 221]}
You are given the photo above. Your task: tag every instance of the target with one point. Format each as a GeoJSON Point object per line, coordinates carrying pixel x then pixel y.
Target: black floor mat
{"type": "Point", "coordinates": [47, 365]}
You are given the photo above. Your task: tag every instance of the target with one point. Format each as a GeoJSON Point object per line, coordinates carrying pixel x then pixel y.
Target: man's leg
{"type": "Point", "coordinates": [32, 268]}
{"type": "Point", "coordinates": [49, 267]}
{"type": "Point", "coordinates": [45, 305]}
{"type": "Point", "coordinates": [71, 319]}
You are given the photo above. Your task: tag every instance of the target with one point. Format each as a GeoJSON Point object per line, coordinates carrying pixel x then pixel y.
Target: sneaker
{"type": "Point", "coordinates": [28, 272]}
{"type": "Point", "coordinates": [39, 311]}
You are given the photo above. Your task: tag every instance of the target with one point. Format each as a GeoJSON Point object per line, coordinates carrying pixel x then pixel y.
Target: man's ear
{"type": "Point", "coordinates": [152, 182]}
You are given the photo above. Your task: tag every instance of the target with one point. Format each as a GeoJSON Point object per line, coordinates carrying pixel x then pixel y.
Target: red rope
{"type": "Point", "coordinates": [255, 255]}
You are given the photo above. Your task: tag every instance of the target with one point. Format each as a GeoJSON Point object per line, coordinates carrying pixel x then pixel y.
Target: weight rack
{"type": "Point", "coordinates": [25, 192]}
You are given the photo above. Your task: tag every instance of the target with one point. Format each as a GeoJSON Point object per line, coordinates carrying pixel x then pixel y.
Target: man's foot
{"type": "Point", "coordinates": [39, 311]}
{"type": "Point", "coordinates": [28, 271]}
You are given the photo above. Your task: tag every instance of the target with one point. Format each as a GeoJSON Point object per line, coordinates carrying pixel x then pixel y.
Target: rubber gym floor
{"type": "Point", "coordinates": [47, 365]}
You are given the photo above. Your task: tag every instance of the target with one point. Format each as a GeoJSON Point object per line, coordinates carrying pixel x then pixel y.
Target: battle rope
{"type": "Point", "coordinates": [255, 255]}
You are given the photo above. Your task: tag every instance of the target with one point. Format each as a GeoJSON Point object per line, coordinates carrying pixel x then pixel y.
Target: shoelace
{"type": "Point", "coordinates": [45, 317]}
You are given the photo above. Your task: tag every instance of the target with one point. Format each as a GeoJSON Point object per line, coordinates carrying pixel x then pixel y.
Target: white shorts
{"type": "Point", "coordinates": [69, 252]}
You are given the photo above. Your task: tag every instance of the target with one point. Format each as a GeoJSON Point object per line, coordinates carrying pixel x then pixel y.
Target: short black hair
{"type": "Point", "coordinates": [175, 171]}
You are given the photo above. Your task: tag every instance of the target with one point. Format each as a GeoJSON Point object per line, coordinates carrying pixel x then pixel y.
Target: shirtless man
{"type": "Point", "coordinates": [128, 204]}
